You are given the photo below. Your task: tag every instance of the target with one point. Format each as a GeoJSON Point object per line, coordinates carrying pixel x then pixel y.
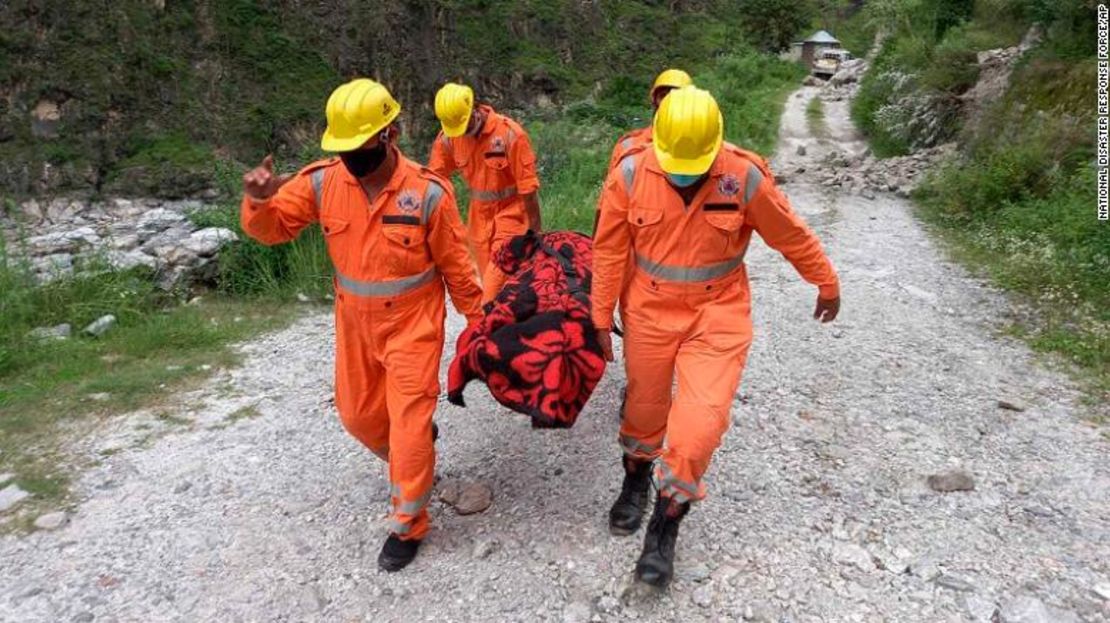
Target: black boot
{"type": "Point", "coordinates": [435, 432]}
{"type": "Point", "coordinates": [628, 511]}
{"type": "Point", "coordinates": [397, 554]}
{"type": "Point", "coordinates": [656, 564]}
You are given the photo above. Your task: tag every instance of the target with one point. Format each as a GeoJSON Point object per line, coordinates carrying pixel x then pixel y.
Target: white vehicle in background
{"type": "Point", "coordinates": [829, 62]}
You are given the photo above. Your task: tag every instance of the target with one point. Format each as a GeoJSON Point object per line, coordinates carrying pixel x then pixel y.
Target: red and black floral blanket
{"type": "Point", "coordinates": [536, 348]}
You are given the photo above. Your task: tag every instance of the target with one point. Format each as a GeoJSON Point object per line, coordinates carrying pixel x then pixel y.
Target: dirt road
{"type": "Point", "coordinates": [818, 510]}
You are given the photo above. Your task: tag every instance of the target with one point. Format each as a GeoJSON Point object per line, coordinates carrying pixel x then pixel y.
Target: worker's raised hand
{"type": "Point", "coordinates": [605, 340]}
{"type": "Point", "coordinates": [827, 309]}
{"type": "Point", "coordinates": [260, 182]}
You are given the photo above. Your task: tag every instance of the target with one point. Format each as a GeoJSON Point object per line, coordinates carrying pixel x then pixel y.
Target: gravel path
{"type": "Point", "coordinates": [818, 510]}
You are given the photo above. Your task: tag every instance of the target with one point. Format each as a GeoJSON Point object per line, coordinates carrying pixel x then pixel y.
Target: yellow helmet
{"type": "Point", "coordinates": [687, 131]}
{"type": "Point", "coordinates": [672, 78]}
{"type": "Point", "coordinates": [454, 102]}
{"type": "Point", "coordinates": [357, 111]}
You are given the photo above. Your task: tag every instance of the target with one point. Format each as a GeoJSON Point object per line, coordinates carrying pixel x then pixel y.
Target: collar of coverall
{"type": "Point", "coordinates": [394, 180]}
{"type": "Point", "coordinates": [489, 124]}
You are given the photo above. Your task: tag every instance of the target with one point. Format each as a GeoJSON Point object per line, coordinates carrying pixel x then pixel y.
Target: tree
{"type": "Point", "coordinates": [773, 25]}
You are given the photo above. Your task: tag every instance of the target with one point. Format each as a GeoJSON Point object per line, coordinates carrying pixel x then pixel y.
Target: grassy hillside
{"type": "Point", "coordinates": [144, 97]}
{"type": "Point", "coordinates": [1021, 203]}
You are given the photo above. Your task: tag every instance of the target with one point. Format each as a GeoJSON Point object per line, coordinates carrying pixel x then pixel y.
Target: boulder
{"type": "Point", "coordinates": [206, 242]}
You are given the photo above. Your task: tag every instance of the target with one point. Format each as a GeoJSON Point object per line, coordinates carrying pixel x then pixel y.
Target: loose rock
{"type": "Point", "coordinates": [101, 325]}
{"type": "Point", "coordinates": [954, 583]}
{"type": "Point", "coordinates": [485, 547]}
{"type": "Point", "coordinates": [51, 521]}
{"type": "Point", "coordinates": [577, 612]}
{"type": "Point", "coordinates": [703, 595]}
{"type": "Point", "coordinates": [852, 554]}
{"type": "Point", "coordinates": [950, 481]}
{"type": "Point", "coordinates": [10, 496]}
{"type": "Point", "coordinates": [57, 332]}
{"type": "Point", "coordinates": [1011, 405]}
{"type": "Point", "coordinates": [1024, 609]}
{"type": "Point", "coordinates": [465, 498]}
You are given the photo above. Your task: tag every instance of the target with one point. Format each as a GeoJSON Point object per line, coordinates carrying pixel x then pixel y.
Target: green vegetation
{"type": "Point", "coordinates": [815, 117]}
{"type": "Point", "coordinates": [1020, 204]}
{"type": "Point", "coordinates": [140, 88]}
{"type": "Point", "coordinates": [154, 349]}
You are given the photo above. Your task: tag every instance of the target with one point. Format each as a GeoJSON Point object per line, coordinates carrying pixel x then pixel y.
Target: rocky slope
{"type": "Point", "coordinates": [62, 236]}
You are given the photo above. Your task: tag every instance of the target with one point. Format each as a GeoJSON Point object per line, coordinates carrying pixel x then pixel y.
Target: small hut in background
{"type": "Point", "coordinates": [815, 45]}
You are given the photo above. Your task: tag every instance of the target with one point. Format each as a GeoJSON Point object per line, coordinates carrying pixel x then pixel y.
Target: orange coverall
{"type": "Point", "coordinates": [627, 143]}
{"type": "Point", "coordinates": [392, 257]}
{"type": "Point", "coordinates": [499, 167]}
{"type": "Point", "coordinates": [686, 308]}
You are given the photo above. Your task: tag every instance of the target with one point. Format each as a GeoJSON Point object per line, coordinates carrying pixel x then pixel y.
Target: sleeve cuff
{"type": "Point", "coordinates": [603, 325]}
{"type": "Point", "coordinates": [528, 187]}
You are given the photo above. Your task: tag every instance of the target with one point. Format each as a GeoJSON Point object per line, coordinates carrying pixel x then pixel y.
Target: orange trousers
{"type": "Point", "coordinates": [700, 334]}
{"type": "Point", "coordinates": [387, 360]}
{"type": "Point", "coordinates": [491, 224]}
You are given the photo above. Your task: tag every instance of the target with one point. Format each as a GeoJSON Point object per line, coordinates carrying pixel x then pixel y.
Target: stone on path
{"type": "Point", "coordinates": [1011, 405]}
{"type": "Point", "coordinates": [954, 480]}
{"type": "Point", "coordinates": [51, 521]}
{"type": "Point", "coordinates": [1024, 609]}
{"type": "Point", "coordinates": [577, 612]}
{"type": "Point", "coordinates": [10, 496]}
{"type": "Point", "coordinates": [466, 498]}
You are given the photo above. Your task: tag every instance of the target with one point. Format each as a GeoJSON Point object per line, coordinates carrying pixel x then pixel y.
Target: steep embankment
{"type": "Point", "coordinates": [142, 98]}
{"type": "Point", "coordinates": [1009, 83]}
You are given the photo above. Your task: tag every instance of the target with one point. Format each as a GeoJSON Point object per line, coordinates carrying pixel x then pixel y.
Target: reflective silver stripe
{"type": "Point", "coordinates": [493, 195]}
{"type": "Point", "coordinates": [394, 490]}
{"type": "Point", "coordinates": [317, 178]}
{"type": "Point", "coordinates": [512, 137]}
{"type": "Point", "coordinates": [628, 168]}
{"type": "Point", "coordinates": [751, 185]}
{"type": "Point", "coordinates": [669, 483]}
{"type": "Point", "coordinates": [399, 527]}
{"type": "Point", "coordinates": [413, 507]}
{"type": "Point", "coordinates": [385, 288]}
{"type": "Point", "coordinates": [634, 446]}
{"type": "Point", "coordinates": [689, 274]}
{"type": "Point", "coordinates": [431, 199]}
{"type": "Point", "coordinates": [681, 498]}
{"type": "Point", "coordinates": [626, 143]}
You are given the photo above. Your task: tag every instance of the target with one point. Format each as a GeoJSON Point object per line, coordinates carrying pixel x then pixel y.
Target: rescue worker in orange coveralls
{"type": "Point", "coordinates": [494, 155]}
{"type": "Point", "coordinates": [667, 81]}
{"type": "Point", "coordinates": [394, 234]}
{"type": "Point", "coordinates": [686, 206]}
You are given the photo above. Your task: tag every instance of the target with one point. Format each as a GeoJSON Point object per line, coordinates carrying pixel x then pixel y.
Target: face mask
{"type": "Point", "coordinates": [682, 181]}
{"type": "Point", "coordinates": [362, 162]}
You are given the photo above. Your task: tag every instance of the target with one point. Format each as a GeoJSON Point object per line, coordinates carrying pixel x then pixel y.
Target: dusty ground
{"type": "Point", "coordinates": [819, 508]}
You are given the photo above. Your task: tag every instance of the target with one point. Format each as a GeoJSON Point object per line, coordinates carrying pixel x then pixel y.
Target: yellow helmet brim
{"type": "Point", "coordinates": [454, 130]}
{"type": "Point", "coordinates": [349, 141]}
{"type": "Point", "coordinates": [687, 166]}
{"type": "Point", "coordinates": [331, 142]}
